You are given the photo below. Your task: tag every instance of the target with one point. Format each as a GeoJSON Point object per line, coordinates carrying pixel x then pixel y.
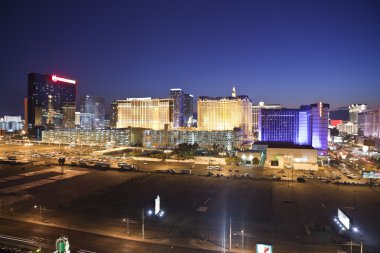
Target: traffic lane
{"type": "Point", "coordinates": [46, 236]}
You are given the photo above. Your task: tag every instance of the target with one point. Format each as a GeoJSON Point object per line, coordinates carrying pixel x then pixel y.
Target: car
{"type": "Point", "coordinates": [172, 171]}
{"type": "Point", "coordinates": [301, 180]}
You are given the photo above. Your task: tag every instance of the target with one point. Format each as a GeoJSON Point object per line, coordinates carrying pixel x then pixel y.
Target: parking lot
{"type": "Point", "coordinates": [266, 203]}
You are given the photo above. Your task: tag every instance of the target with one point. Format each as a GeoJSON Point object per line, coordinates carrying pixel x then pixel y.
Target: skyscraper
{"type": "Point", "coordinates": [47, 95]}
{"type": "Point", "coordinates": [177, 96]}
{"type": "Point", "coordinates": [68, 111]}
{"type": "Point", "coordinates": [182, 107]}
{"type": "Point", "coordinates": [188, 109]}
{"type": "Point", "coordinates": [92, 111]}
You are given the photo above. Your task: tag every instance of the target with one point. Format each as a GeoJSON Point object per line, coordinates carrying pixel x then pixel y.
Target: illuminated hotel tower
{"type": "Point", "coordinates": [145, 113]}
{"type": "Point", "coordinates": [225, 113]}
{"type": "Point", "coordinates": [40, 87]}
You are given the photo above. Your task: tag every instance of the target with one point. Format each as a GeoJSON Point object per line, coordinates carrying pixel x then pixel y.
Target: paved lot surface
{"type": "Point", "coordinates": [269, 211]}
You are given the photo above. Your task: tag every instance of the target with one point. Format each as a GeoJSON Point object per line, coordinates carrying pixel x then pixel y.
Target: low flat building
{"type": "Point", "coordinates": [100, 137]}
{"type": "Point", "coordinates": [284, 155]}
{"type": "Point", "coordinates": [206, 139]}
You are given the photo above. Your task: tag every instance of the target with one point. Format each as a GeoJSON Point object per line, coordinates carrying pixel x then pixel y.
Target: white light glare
{"type": "Point", "coordinates": [355, 229]}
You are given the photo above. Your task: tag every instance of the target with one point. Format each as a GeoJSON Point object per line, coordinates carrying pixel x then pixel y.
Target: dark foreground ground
{"type": "Point", "coordinates": [268, 211]}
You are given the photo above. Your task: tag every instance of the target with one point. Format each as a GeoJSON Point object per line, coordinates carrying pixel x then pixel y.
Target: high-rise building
{"type": "Point", "coordinates": [188, 109]}
{"type": "Point", "coordinates": [93, 110]}
{"type": "Point", "coordinates": [305, 126]}
{"type": "Point", "coordinates": [255, 115]}
{"type": "Point", "coordinates": [278, 125]}
{"type": "Point", "coordinates": [145, 113]}
{"type": "Point", "coordinates": [177, 96]}
{"type": "Point", "coordinates": [113, 118]}
{"type": "Point", "coordinates": [225, 113]}
{"type": "Point", "coordinates": [182, 107]}
{"type": "Point", "coordinates": [354, 110]}
{"type": "Point", "coordinates": [11, 123]}
{"type": "Point", "coordinates": [369, 123]}
{"type": "Point", "coordinates": [47, 95]}
{"type": "Point", "coordinates": [68, 111]}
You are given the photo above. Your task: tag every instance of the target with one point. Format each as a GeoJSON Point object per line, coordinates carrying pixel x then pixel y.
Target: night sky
{"type": "Point", "coordinates": [287, 52]}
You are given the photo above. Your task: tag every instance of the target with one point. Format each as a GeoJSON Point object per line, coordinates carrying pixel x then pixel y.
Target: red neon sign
{"type": "Point", "coordinates": [61, 79]}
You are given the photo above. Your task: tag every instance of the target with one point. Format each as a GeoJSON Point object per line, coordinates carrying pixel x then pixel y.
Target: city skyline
{"type": "Point", "coordinates": [126, 48]}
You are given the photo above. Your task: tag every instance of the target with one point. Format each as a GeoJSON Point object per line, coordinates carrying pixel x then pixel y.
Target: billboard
{"type": "Point", "coordinates": [344, 219]}
{"type": "Point", "coordinates": [263, 248]}
{"type": "Point", "coordinates": [370, 174]}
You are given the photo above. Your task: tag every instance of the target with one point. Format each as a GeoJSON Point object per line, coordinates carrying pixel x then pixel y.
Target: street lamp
{"type": "Point", "coordinates": [242, 241]}
{"type": "Point", "coordinates": [40, 207]}
{"type": "Point", "coordinates": [127, 221]}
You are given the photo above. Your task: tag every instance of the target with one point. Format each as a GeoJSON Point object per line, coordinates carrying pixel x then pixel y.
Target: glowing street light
{"type": "Point", "coordinates": [40, 207]}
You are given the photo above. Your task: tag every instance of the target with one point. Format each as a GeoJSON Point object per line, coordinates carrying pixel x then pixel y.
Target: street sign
{"type": "Point", "coordinates": [263, 248]}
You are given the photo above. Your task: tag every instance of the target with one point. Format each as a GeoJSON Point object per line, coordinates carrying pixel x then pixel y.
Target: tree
{"type": "Point", "coordinates": [255, 160]}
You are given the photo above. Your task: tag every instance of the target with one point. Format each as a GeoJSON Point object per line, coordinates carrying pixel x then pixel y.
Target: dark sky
{"type": "Point", "coordinates": [288, 52]}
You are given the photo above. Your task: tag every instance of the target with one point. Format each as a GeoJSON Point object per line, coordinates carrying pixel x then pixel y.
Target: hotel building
{"type": "Point", "coordinates": [225, 113]}
{"type": "Point", "coordinates": [145, 113]}
{"type": "Point", "coordinates": [305, 126]}
{"type": "Point", "coordinates": [47, 95]}
{"type": "Point", "coordinates": [225, 139]}
{"type": "Point", "coordinates": [255, 115]}
{"type": "Point", "coordinates": [369, 123]}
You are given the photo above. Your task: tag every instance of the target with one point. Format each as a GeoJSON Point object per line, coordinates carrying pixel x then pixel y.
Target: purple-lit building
{"type": "Point", "coordinates": [307, 125]}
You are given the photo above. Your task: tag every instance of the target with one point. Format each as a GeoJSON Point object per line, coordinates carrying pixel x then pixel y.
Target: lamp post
{"type": "Point", "coordinates": [40, 207]}
{"type": "Point", "coordinates": [127, 221]}
{"type": "Point", "coordinates": [242, 241]}
{"type": "Point", "coordinates": [142, 224]}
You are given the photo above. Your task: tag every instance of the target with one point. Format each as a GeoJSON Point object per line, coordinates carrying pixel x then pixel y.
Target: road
{"type": "Point", "coordinates": [45, 237]}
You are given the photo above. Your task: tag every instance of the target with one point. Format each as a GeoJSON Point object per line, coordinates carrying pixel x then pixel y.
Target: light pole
{"type": "Point", "coordinates": [40, 207]}
{"type": "Point", "coordinates": [230, 232]}
{"type": "Point", "coordinates": [127, 220]}
{"type": "Point", "coordinates": [142, 225]}
{"type": "Point", "coordinates": [242, 241]}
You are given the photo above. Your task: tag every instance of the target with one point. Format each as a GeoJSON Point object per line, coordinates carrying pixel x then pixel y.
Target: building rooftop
{"type": "Point", "coordinates": [283, 145]}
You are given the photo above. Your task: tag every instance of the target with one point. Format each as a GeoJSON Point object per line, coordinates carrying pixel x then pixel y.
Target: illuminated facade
{"type": "Point", "coordinates": [182, 107]}
{"type": "Point", "coordinates": [206, 139]}
{"type": "Point", "coordinates": [225, 113]}
{"type": "Point", "coordinates": [94, 110]}
{"type": "Point", "coordinates": [101, 137]}
{"type": "Point", "coordinates": [11, 123]}
{"type": "Point", "coordinates": [255, 116]}
{"type": "Point", "coordinates": [68, 111]}
{"type": "Point", "coordinates": [369, 123]}
{"type": "Point", "coordinates": [145, 113]}
{"type": "Point", "coordinates": [279, 125]}
{"type": "Point", "coordinates": [45, 90]}
{"type": "Point", "coordinates": [354, 110]}
{"type": "Point", "coordinates": [305, 126]}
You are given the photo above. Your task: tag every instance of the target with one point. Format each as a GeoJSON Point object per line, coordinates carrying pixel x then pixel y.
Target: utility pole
{"type": "Point", "coordinates": [142, 227]}
{"type": "Point", "coordinates": [128, 226]}
{"type": "Point", "coordinates": [242, 241]}
{"type": "Point", "coordinates": [230, 233]}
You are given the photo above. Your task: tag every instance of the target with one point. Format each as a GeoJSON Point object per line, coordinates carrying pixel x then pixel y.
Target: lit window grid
{"type": "Point", "coordinates": [225, 114]}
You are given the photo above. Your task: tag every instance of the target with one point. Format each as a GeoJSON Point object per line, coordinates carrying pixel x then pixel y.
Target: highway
{"type": "Point", "coordinates": [28, 234]}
